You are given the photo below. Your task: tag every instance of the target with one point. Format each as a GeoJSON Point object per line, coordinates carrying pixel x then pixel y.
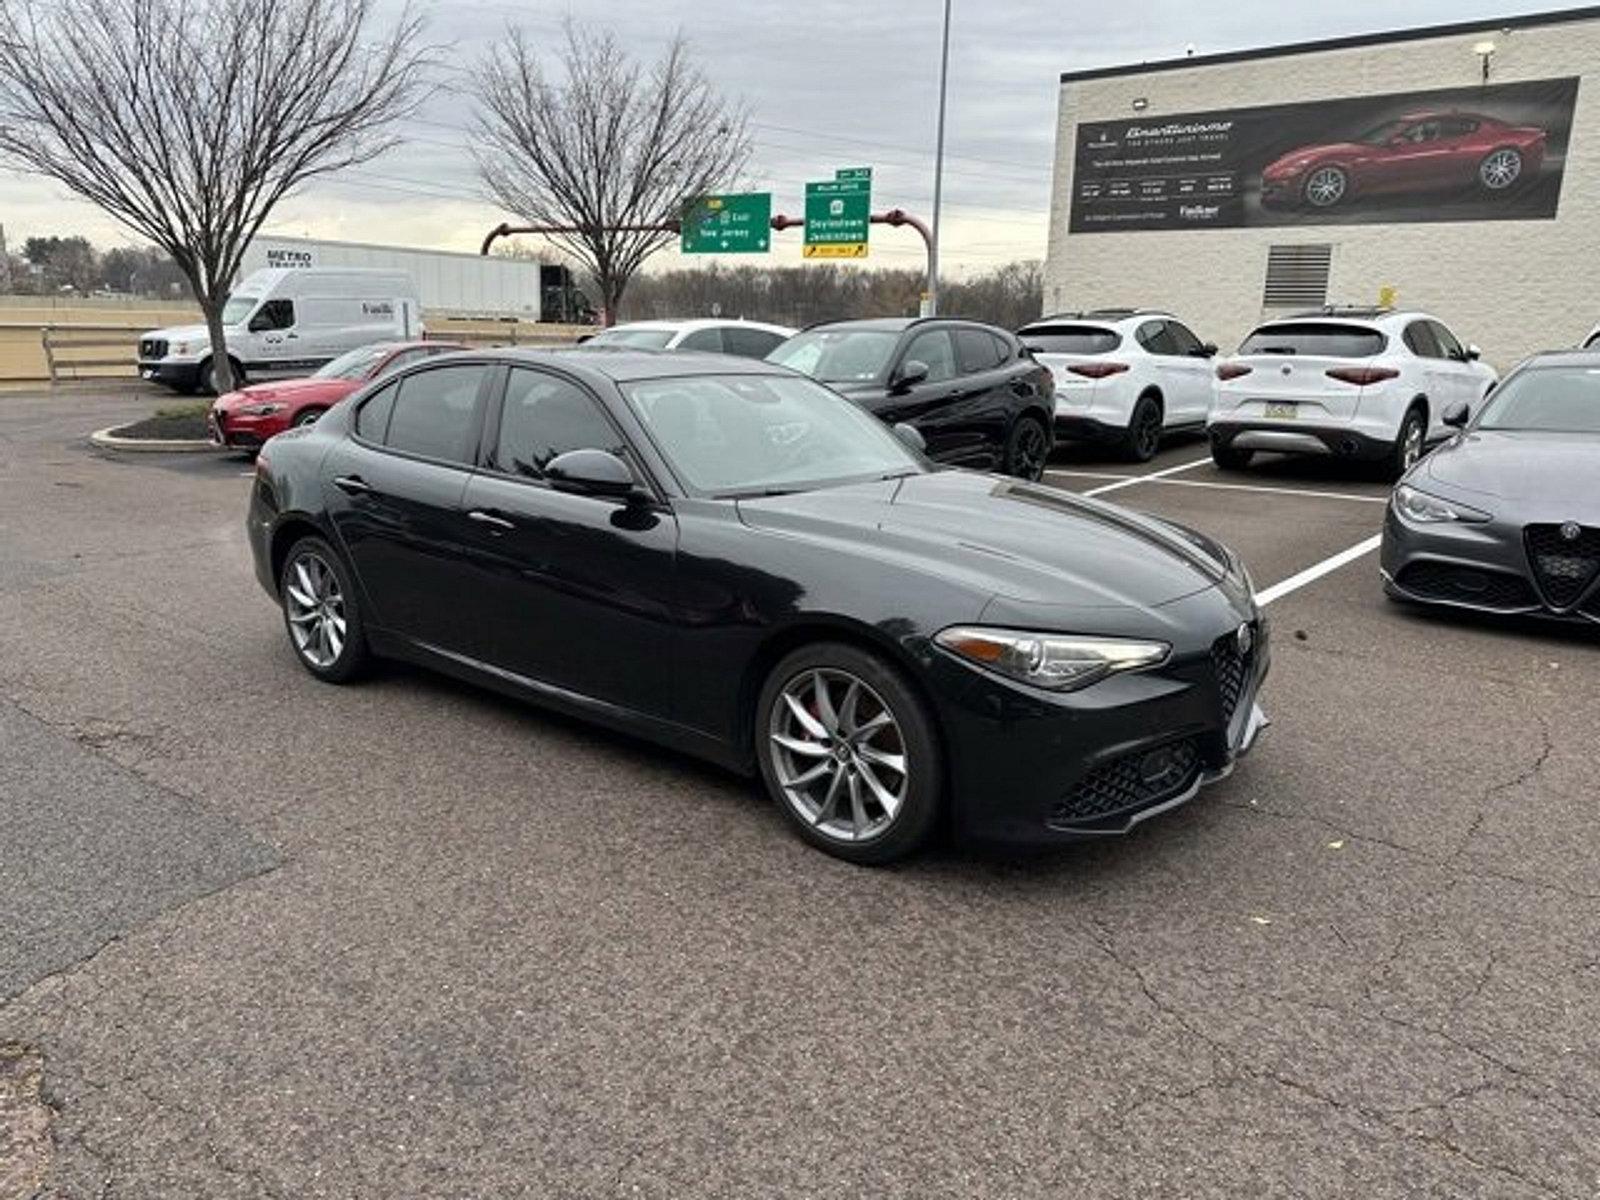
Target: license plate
{"type": "Point", "coordinates": [1285, 411]}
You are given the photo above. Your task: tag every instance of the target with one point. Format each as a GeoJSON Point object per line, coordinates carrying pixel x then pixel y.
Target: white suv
{"type": "Point", "coordinates": [746, 339]}
{"type": "Point", "coordinates": [1124, 376]}
{"type": "Point", "coordinates": [1358, 383]}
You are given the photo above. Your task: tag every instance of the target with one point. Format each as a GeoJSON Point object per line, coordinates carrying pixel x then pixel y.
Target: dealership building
{"type": "Point", "coordinates": [1454, 169]}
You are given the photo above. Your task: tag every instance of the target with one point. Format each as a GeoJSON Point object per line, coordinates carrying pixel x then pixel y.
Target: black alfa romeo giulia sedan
{"type": "Point", "coordinates": [733, 560]}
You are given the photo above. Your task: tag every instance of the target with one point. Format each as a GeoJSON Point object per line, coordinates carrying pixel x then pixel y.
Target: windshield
{"type": "Point", "coordinates": [1070, 339]}
{"type": "Point", "coordinates": [353, 364]}
{"type": "Point", "coordinates": [640, 339]}
{"type": "Point", "coordinates": [1315, 338]}
{"type": "Point", "coordinates": [838, 355]}
{"type": "Point", "coordinates": [757, 434]}
{"type": "Point", "coordinates": [1546, 400]}
{"type": "Point", "coordinates": [1379, 135]}
{"type": "Point", "coordinates": [238, 308]}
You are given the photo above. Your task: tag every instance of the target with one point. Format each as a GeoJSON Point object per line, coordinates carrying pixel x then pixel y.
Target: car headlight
{"type": "Point", "coordinates": [1060, 662]}
{"type": "Point", "coordinates": [1419, 506]}
{"type": "Point", "coordinates": [261, 410]}
{"type": "Point", "coordinates": [178, 348]}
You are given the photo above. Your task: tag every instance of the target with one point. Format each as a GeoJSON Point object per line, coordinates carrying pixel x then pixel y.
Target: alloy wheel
{"type": "Point", "coordinates": [1147, 437]}
{"type": "Point", "coordinates": [315, 607]}
{"type": "Point", "coordinates": [1031, 451]}
{"type": "Point", "coordinates": [1412, 451]}
{"type": "Point", "coordinates": [1326, 187]}
{"type": "Point", "coordinates": [837, 752]}
{"type": "Point", "coordinates": [1500, 170]}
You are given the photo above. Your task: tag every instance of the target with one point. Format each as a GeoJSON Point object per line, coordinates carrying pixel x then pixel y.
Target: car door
{"type": "Point", "coordinates": [1439, 382]}
{"type": "Point", "coordinates": [572, 591]}
{"type": "Point", "coordinates": [930, 406]}
{"type": "Point", "coordinates": [278, 341]}
{"type": "Point", "coordinates": [1187, 367]}
{"type": "Point", "coordinates": [394, 495]}
{"type": "Point", "coordinates": [1467, 379]}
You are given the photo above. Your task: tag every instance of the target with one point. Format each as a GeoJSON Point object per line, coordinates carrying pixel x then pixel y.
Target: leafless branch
{"type": "Point", "coordinates": [188, 122]}
{"type": "Point", "coordinates": [614, 144]}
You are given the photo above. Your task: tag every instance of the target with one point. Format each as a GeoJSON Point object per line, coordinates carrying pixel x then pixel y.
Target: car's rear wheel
{"type": "Point", "coordinates": [1500, 170]}
{"type": "Point", "coordinates": [1326, 187]}
{"type": "Point", "coordinates": [1409, 444]}
{"type": "Point", "coordinates": [321, 612]}
{"type": "Point", "coordinates": [1143, 439]}
{"type": "Point", "coordinates": [847, 750]}
{"type": "Point", "coordinates": [310, 417]}
{"type": "Point", "coordinates": [1230, 459]}
{"type": "Point", "coordinates": [1027, 448]}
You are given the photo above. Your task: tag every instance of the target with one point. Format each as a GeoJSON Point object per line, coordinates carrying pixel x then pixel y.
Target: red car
{"type": "Point", "coordinates": [248, 417]}
{"type": "Point", "coordinates": [1419, 152]}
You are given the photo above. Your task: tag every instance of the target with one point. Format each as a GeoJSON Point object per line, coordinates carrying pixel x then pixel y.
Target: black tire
{"type": "Point", "coordinates": [352, 657]}
{"type": "Point", "coordinates": [310, 417]}
{"type": "Point", "coordinates": [1229, 459]}
{"type": "Point", "coordinates": [1410, 444]}
{"type": "Point", "coordinates": [208, 381]}
{"type": "Point", "coordinates": [923, 778]}
{"type": "Point", "coordinates": [1027, 449]}
{"type": "Point", "coordinates": [1142, 442]}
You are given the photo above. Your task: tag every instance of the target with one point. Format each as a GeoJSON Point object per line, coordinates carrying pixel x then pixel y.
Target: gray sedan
{"type": "Point", "coordinates": [1505, 517]}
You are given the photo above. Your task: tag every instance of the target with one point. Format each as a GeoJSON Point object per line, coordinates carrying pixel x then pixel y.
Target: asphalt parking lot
{"type": "Point", "coordinates": [264, 937]}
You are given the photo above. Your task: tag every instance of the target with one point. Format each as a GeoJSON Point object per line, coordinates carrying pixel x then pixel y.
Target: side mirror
{"type": "Point", "coordinates": [1473, 353]}
{"type": "Point", "coordinates": [910, 374]}
{"type": "Point", "coordinates": [1205, 350]}
{"type": "Point", "coordinates": [592, 473]}
{"type": "Point", "coordinates": [912, 437]}
{"type": "Point", "coordinates": [1457, 415]}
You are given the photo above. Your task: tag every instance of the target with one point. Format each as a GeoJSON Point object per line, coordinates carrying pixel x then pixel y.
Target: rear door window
{"type": "Point", "coordinates": [1070, 339]}
{"type": "Point", "coordinates": [976, 351]}
{"type": "Point", "coordinates": [1420, 340]}
{"type": "Point", "coordinates": [750, 343]}
{"type": "Point", "coordinates": [435, 413]}
{"type": "Point", "coordinates": [703, 339]}
{"type": "Point", "coordinates": [1321, 339]}
{"type": "Point", "coordinates": [372, 420]}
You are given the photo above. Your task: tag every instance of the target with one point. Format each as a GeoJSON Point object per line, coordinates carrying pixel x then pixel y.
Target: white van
{"type": "Point", "coordinates": [286, 321]}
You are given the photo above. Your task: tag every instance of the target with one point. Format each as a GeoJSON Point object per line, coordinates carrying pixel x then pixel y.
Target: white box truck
{"type": "Point", "coordinates": [284, 322]}
{"type": "Point", "coordinates": [449, 283]}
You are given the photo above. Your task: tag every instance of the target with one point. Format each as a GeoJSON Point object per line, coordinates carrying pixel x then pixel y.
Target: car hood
{"type": "Point", "coordinates": [1016, 540]}
{"type": "Point", "coordinates": [179, 333]}
{"type": "Point", "coordinates": [1539, 468]}
{"type": "Point", "coordinates": [288, 391]}
{"type": "Point", "coordinates": [1306, 155]}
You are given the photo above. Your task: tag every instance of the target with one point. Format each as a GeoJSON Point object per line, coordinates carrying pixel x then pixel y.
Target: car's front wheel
{"type": "Point", "coordinates": [321, 612]}
{"type": "Point", "coordinates": [849, 753]}
{"type": "Point", "coordinates": [1027, 448]}
{"type": "Point", "coordinates": [1326, 187]}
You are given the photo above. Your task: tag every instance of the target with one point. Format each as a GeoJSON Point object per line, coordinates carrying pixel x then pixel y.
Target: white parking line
{"type": "Point", "coordinates": [1229, 487]}
{"type": "Point", "coordinates": [1311, 574]}
{"type": "Point", "coordinates": [1133, 479]}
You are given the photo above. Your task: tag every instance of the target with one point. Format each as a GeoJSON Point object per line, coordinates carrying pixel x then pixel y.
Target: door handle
{"type": "Point", "coordinates": [352, 485]}
{"type": "Point", "coordinates": [493, 520]}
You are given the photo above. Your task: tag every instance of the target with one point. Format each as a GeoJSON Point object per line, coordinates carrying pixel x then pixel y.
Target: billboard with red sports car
{"type": "Point", "coordinates": [1491, 153]}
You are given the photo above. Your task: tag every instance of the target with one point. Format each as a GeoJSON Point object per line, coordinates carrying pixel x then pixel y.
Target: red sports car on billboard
{"type": "Point", "coordinates": [1419, 152]}
{"type": "Point", "coordinates": [248, 417]}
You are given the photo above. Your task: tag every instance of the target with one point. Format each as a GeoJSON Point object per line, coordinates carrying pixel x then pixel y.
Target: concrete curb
{"type": "Point", "coordinates": [106, 439]}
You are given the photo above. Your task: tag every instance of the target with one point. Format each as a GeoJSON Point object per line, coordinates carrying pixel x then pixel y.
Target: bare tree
{"type": "Point", "coordinates": [612, 153]}
{"type": "Point", "coordinates": [188, 120]}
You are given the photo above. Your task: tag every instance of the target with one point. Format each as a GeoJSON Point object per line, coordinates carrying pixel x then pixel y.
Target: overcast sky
{"type": "Point", "coordinates": [828, 83]}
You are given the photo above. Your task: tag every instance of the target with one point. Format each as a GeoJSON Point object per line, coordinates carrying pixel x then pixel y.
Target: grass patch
{"type": "Point", "coordinates": [182, 421]}
{"type": "Point", "coordinates": [188, 408]}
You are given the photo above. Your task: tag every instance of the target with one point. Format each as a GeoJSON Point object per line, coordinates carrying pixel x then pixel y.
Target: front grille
{"type": "Point", "coordinates": [1129, 783]}
{"type": "Point", "coordinates": [1232, 669]}
{"type": "Point", "coordinates": [1467, 585]}
{"type": "Point", "coordinates": [1563, 567]}
{"type": "Point", "coordinates": [152, 348]}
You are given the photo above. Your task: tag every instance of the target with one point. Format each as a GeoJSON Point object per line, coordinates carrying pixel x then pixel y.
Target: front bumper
{"type": "Point", "coordinates": [1029, 767]}
{"type": "Point", "coordinates": [182, 375]}
{"type": "Point", "coordinates": [242, 430]}
{"type": "Point", "coordinates": [1479, 566]}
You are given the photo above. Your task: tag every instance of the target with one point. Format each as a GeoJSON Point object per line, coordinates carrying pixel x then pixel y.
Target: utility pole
{"type": "Point", "coordinates": [5, 265]}
{"type": "Point", "coordinates": [930, 303]}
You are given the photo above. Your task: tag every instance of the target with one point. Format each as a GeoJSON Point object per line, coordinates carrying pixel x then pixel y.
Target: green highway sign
{"type": "Point", "coordinates": [837, 215]}
{"type": "Point", "coordinates": [738, 224]}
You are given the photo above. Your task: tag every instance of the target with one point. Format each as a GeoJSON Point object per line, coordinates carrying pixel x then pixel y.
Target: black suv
{"type": "Point", "coordinates": [971, 390]}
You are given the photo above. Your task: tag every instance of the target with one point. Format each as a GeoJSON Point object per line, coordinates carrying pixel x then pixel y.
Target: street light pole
{"type": "Point", "coordinates": [930, 303]}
